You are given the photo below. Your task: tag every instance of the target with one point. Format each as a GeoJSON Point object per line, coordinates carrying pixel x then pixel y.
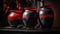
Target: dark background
{"type": "Point", "coordinates": [56, 3]}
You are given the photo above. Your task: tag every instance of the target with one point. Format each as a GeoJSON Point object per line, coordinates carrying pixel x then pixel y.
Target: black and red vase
{"type": "Point", "coordinates": [46, 15]}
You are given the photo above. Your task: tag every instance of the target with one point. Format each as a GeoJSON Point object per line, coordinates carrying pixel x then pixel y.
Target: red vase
{"type": "Point", "coordinates": [15, 17]}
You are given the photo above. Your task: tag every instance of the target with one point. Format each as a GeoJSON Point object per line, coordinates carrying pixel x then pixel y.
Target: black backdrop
{"type": "Point", "coordinates": [57, 7]}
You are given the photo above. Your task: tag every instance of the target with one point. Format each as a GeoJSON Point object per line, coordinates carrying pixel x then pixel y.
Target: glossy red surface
{"type": "Point", "coordinates": [46, 15]}
{"type": "Point", "coordinates": [16, 15]}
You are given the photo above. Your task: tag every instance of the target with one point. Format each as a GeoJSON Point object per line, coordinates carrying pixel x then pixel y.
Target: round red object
{"type": "Point", "coordinates": [15, 15]}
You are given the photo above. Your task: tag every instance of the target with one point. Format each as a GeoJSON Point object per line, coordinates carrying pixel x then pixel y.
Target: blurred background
{"type": "Point", "coordinates": [55, 3]}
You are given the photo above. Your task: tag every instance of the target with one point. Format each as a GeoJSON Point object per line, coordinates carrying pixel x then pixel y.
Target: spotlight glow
{"type": "Point", "coordinates": [26, 12]}
{"type": "Point", "coordinates": [41, 12]}
{"type": "Point", "coordinates": [12, 14]}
